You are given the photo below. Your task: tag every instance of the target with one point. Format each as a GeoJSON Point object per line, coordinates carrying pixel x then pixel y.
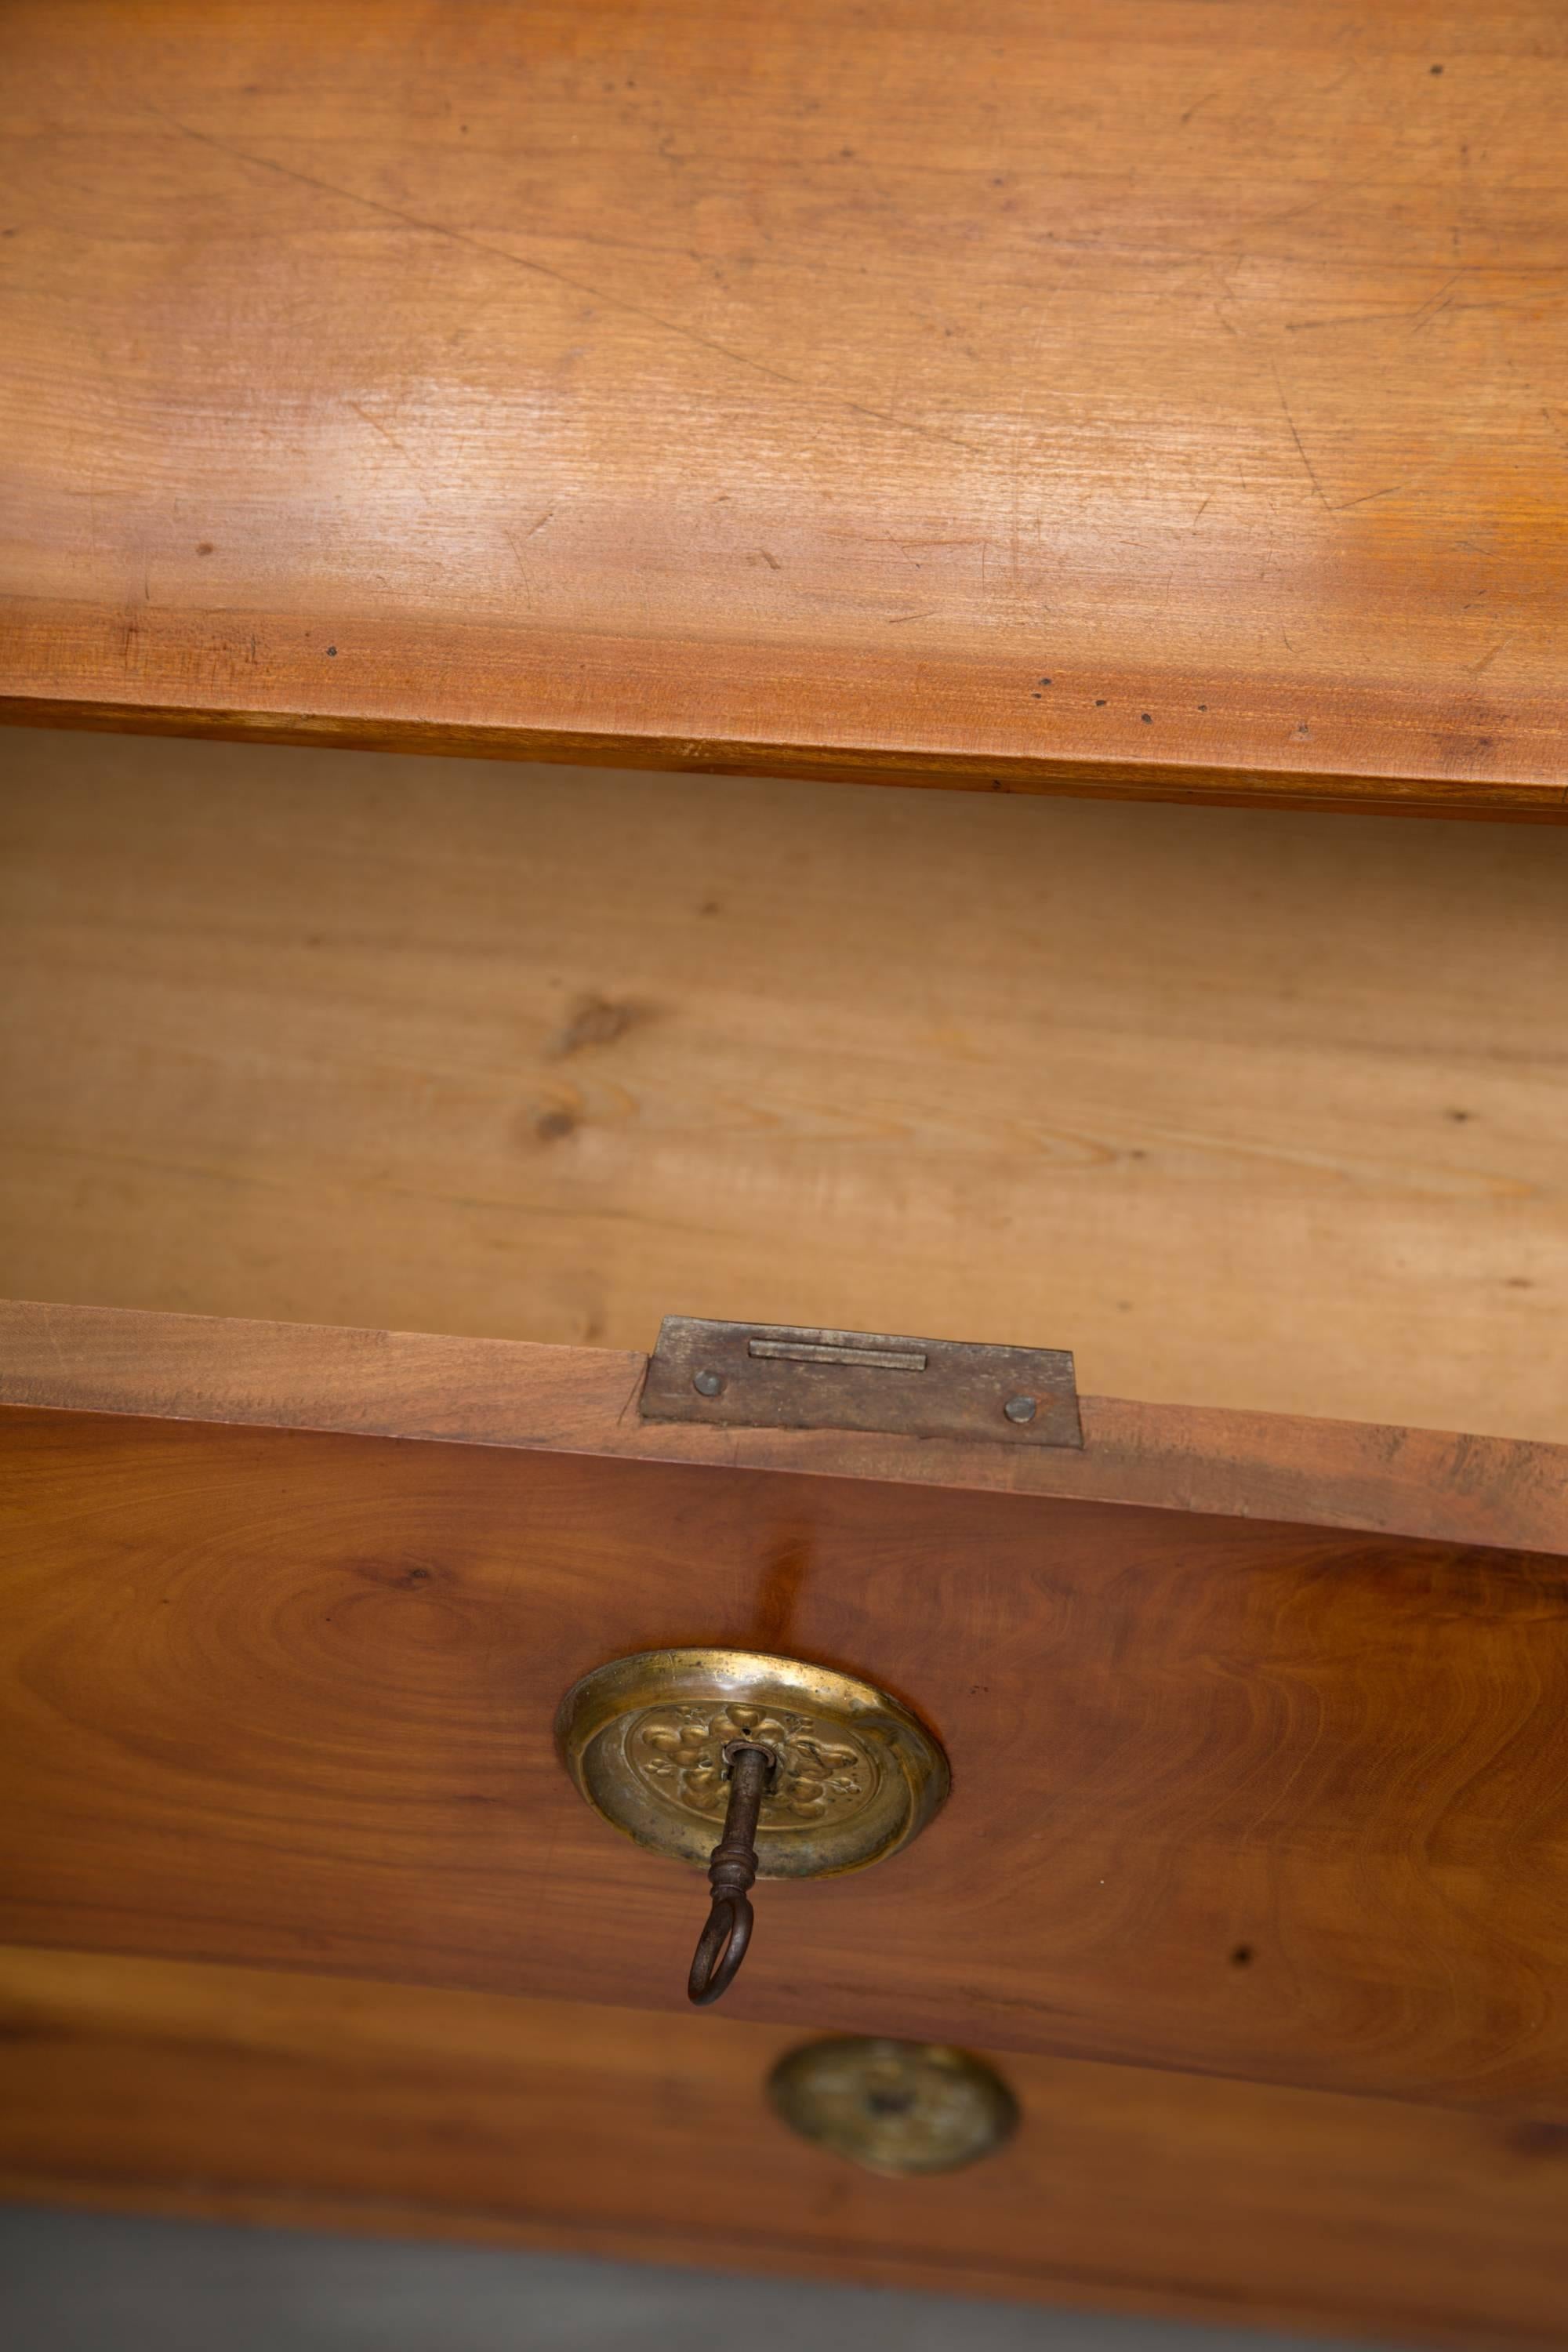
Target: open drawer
{"type": "Point", "coordinates": [1254, 1726]}
{"type": "Point", "coordinates": [1253, 1715]}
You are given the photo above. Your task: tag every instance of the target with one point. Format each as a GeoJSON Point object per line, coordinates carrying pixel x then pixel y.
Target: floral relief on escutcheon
{"type": "Point", "coordinates": [824, 1774]}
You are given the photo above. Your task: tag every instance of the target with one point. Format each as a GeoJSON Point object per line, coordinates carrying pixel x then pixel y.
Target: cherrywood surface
{"type": "Point", "coordinates": [351, 2104]}
{"type": "Point", "coordinates": [1159, 397]}
{"type": "Point", "coordinates": [1268, 1801]}
{"type": "Point", "coordinates": [1326, 1473]}
{"type": "Point", "coordinates": [1266, 1116]}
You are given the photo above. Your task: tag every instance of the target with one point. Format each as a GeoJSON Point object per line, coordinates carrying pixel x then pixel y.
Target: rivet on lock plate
{"type": "Point", "coordinates": [752, 1767]}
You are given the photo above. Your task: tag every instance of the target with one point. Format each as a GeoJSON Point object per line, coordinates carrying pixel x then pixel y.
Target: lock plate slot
{"type": "Point", "coordinates": [784, 1376]}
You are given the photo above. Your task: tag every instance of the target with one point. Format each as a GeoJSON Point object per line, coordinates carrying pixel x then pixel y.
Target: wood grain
{"type": "Point", "coordinates": [1160, 399]}
{"type": "Point", "coordinates": [1325, 1474]}
{"type": "Point", "coordinates": [1273, 1801]}
{"type": "Point", "coordinates": [357, 2106]}
{"type": "Point", "coordinates": [1269, 1117]}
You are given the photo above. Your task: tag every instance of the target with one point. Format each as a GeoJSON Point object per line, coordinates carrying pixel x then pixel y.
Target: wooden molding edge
{"type": "Point", "coordinates": [1426, 1483]}
{"type": "Point", "coordinates": [894, 2268]}
{"type": "Point", "coordinates": [1509, 800]}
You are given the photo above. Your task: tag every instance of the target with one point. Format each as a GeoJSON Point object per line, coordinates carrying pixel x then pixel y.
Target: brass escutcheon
{"type": "Point", "coordinates": [894, 2107]}
{"type": "Point", "coordinates": [644, 1740]}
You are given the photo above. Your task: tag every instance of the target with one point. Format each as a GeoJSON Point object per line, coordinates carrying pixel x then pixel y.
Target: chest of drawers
{"type": "Point", "coordinates": [1160, 406]}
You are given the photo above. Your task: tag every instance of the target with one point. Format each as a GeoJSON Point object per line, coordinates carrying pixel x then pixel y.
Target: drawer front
{"type": "Point", "coordinates": [351, 2104]}
{"type": "Point", "coordinates": [1275, 1801]}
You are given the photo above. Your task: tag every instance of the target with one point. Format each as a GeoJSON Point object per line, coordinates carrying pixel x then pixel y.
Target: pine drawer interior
{"type": "Point", "coordinates": [1257, 1110]}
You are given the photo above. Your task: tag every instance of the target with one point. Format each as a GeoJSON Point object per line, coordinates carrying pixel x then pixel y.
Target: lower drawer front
{"type": "Point", "coordinates": [183, 2088]}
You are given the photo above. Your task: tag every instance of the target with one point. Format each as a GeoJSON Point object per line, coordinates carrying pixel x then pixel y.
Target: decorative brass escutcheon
{"type": "Point", "coordinates": [749, 1767]}
{"type": "Point", "coordinates": [894, 2107]}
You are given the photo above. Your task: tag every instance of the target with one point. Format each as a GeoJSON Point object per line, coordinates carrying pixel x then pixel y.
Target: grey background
{"type": "Point", "coordinates": [88, 2283]}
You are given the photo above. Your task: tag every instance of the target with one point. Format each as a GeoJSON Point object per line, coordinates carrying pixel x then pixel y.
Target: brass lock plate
{"type": "Point", "coordinates": [858, 1776]}
{"type": "Point", "coordinates": [894, 2107]}
{"type": "Point", "coordinates": [783, 1376]}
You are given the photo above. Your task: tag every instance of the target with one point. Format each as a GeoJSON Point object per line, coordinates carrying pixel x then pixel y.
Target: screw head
{"type": "Point", "coordinates": [708, 1385]}
{"type": "Point", "coordinates": [1020, 1408]}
